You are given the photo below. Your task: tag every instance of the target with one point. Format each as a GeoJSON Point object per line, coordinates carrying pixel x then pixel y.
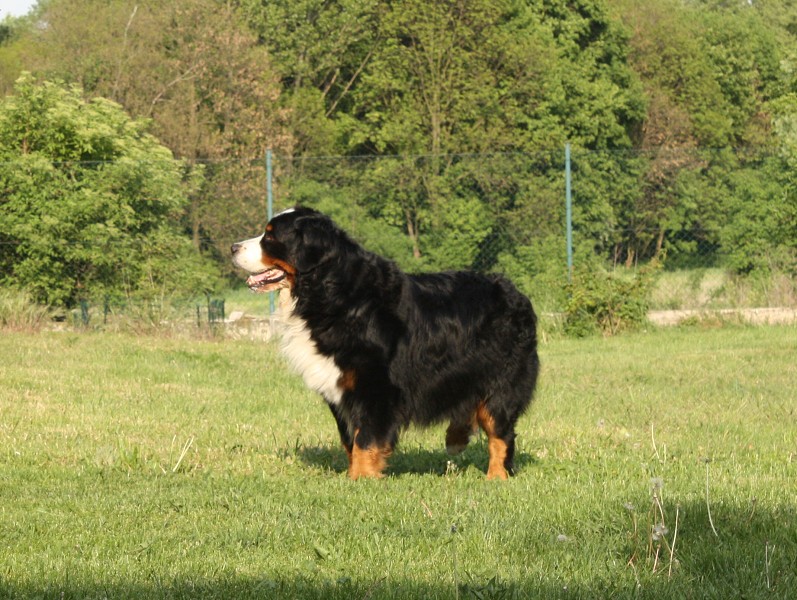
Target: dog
{"type": "Point", "coordinates": [386, 349]}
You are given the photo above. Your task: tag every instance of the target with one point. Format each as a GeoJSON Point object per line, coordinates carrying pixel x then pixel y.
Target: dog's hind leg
{"type": "Point", "coordinates": [459, 433]}
{"type": "Point", "coordinates": [500, 442]}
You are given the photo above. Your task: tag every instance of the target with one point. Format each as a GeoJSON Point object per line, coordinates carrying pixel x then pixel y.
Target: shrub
{"type": "Point", "coordinates": [91, 202]}
{"type": "Point", "coordinates": [608, 302]}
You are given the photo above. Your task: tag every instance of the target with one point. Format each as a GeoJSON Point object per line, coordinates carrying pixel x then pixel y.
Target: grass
{"type": "Point", "coordinates": [718, 288]}
{"type": "Point", "coordinates": [245, 300]}
{"type": "Point", "coordinates": [149, 467]}
{"type": "Point", "coordinates": [18, 311]}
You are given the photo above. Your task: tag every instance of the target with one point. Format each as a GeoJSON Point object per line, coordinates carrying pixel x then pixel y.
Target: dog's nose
{"type": "Point", "coordinates": [234, 248]}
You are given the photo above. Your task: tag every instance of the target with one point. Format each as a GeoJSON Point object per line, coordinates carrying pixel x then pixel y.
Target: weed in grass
{"type": "Point", "coordinates": [657, 547]}
{"type": "Point", "coordinates": [658, 528]}
{"type": "Point", "coordinates": [494, 589]}
{"type": "Point", "coordinates": [454, 565]}
{"type": "Point", "coordinates": [189, 442]}
{"type": "Point", "coordinates": [708, 503]}
{"type": "Point", "coordinates": [767, 559]}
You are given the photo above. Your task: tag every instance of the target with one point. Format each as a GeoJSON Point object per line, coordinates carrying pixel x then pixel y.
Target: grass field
{"type": "Point", "coordinates": [153, 467]}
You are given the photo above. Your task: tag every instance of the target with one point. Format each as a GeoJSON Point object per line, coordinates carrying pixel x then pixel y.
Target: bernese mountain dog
{"type": "Point", "coordinates": [386, 349]}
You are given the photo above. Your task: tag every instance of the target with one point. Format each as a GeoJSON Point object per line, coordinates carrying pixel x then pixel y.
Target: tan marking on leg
{"type": "Point", "coordinates": [497, 448]}
{"type": "Point", "coordinates": [368, 462]}
{"type": "Point", "coordinates": [495, 445]}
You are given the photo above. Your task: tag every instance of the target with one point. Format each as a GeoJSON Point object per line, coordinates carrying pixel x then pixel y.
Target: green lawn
{"type": "Point", "coordinates": [152, 467]}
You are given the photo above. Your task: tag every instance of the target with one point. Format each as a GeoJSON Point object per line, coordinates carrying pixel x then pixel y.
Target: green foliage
{"type": "Point", "coordinates": [378, 235]}
{"type": "Point", "coordinates": [607, 302]}
{"type": "Point", "coordinates": [319, 49]}
{"type": "Point", "coordinates": [538, 269]}
{"type": "Point", "coordinates": [439, 82]}
{"type": "Point", "coordinates": [467, 107]}
{"type": "Point", "coordinates": [91, 201]}
{"type": "Point", "coordinates": [756, 232]}
{"type": "Point", "coordinates": [198, 76]}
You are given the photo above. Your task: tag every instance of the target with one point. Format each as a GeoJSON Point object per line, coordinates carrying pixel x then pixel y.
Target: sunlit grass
{"type": "Point", "coordinates": [135, 466]}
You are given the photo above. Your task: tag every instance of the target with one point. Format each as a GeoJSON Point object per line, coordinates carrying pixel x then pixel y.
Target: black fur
{"type": "Point", "coordinates": [417, 348]}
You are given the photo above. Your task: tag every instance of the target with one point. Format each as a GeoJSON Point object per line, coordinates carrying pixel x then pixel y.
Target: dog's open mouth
{"type": "Point", "coordinates": [266, 280]}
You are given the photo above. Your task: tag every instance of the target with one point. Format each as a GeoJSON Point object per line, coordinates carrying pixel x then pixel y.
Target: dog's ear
{"type": "Point", "coordinates": [317, 241]}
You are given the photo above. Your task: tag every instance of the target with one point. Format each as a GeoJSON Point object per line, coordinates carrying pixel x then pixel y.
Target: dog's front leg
{"type": "Point", "coordinates": [369, 454]}
{"type": "Point", "coordinates": [344, 429]}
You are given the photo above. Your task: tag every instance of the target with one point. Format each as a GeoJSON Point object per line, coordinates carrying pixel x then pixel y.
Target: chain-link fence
{"type": "Point", "coordinates": [723, 223]}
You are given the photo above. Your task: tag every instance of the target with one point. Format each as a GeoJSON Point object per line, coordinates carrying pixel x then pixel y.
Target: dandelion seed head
{"type": "Point", "coordinates": [659, 531]}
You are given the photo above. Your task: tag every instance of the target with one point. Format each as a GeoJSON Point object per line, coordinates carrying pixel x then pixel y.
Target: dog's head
{"type": "Point", "coordinates": [296, 240]}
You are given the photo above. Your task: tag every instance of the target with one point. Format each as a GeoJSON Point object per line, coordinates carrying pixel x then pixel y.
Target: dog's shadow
{"type": "Point", "coordinates": [411, 460]}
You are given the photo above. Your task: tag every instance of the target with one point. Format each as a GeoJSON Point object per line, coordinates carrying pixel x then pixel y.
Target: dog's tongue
{"type": "Point", "coordinates": [259, 278]}
{"type": "Point", "coordinates": [265, 281]}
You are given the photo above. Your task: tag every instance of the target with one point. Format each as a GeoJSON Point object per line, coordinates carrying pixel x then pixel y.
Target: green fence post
{"type": "Point", "coordinates": [84, 312]}
{"type": "Point", "coordinates": [568, 214]}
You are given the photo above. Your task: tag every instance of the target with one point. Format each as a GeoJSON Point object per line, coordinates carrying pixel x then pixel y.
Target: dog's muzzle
{"type": "Point", "coordinates": [248, 255]}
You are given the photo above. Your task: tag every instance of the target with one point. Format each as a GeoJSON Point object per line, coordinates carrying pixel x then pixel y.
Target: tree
{"type": "Point", "coordinates": [90, 201]}
{"type": "Point", "coordinates": [489, 77]}
{"type": "Point", "coordinates": [193, 68]}
{"type": "Point", "coordinates": [708, 76]}
{"type": "Point", "coordinates": [320, 49]}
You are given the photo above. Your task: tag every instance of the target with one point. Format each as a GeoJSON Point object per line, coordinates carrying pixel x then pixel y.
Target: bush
{"type": "Point", "coordinates": [91, 202]}
{"type": "Point", "coordinates": [538, 268]}
{"type": "Point", "coordinates": [608, 302]}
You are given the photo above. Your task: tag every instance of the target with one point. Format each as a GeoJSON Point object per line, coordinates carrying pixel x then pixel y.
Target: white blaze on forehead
{"type": "Point", "coordinates": [287, 211]}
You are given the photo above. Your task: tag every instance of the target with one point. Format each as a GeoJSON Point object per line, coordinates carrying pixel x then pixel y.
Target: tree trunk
{"type": "Point", "coordinates": [412, 231]}
{"type": "Point", "coordinates": [659, 243]}
{"type": "Point", "coordinates": [629, 259]}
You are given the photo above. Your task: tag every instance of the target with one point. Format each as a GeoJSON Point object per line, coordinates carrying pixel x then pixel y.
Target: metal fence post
{"type": "Point", "coordinates": [269, 214]}
{"type": "Point", "coordinates": [568, 214]}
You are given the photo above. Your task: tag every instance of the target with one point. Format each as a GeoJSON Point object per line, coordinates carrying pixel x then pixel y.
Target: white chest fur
{"type": "Point", "coordinates": [320, 373]}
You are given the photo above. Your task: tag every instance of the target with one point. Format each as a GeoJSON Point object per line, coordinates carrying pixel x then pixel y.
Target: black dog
{"type": "Point", "coordinates": [386, 349]}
